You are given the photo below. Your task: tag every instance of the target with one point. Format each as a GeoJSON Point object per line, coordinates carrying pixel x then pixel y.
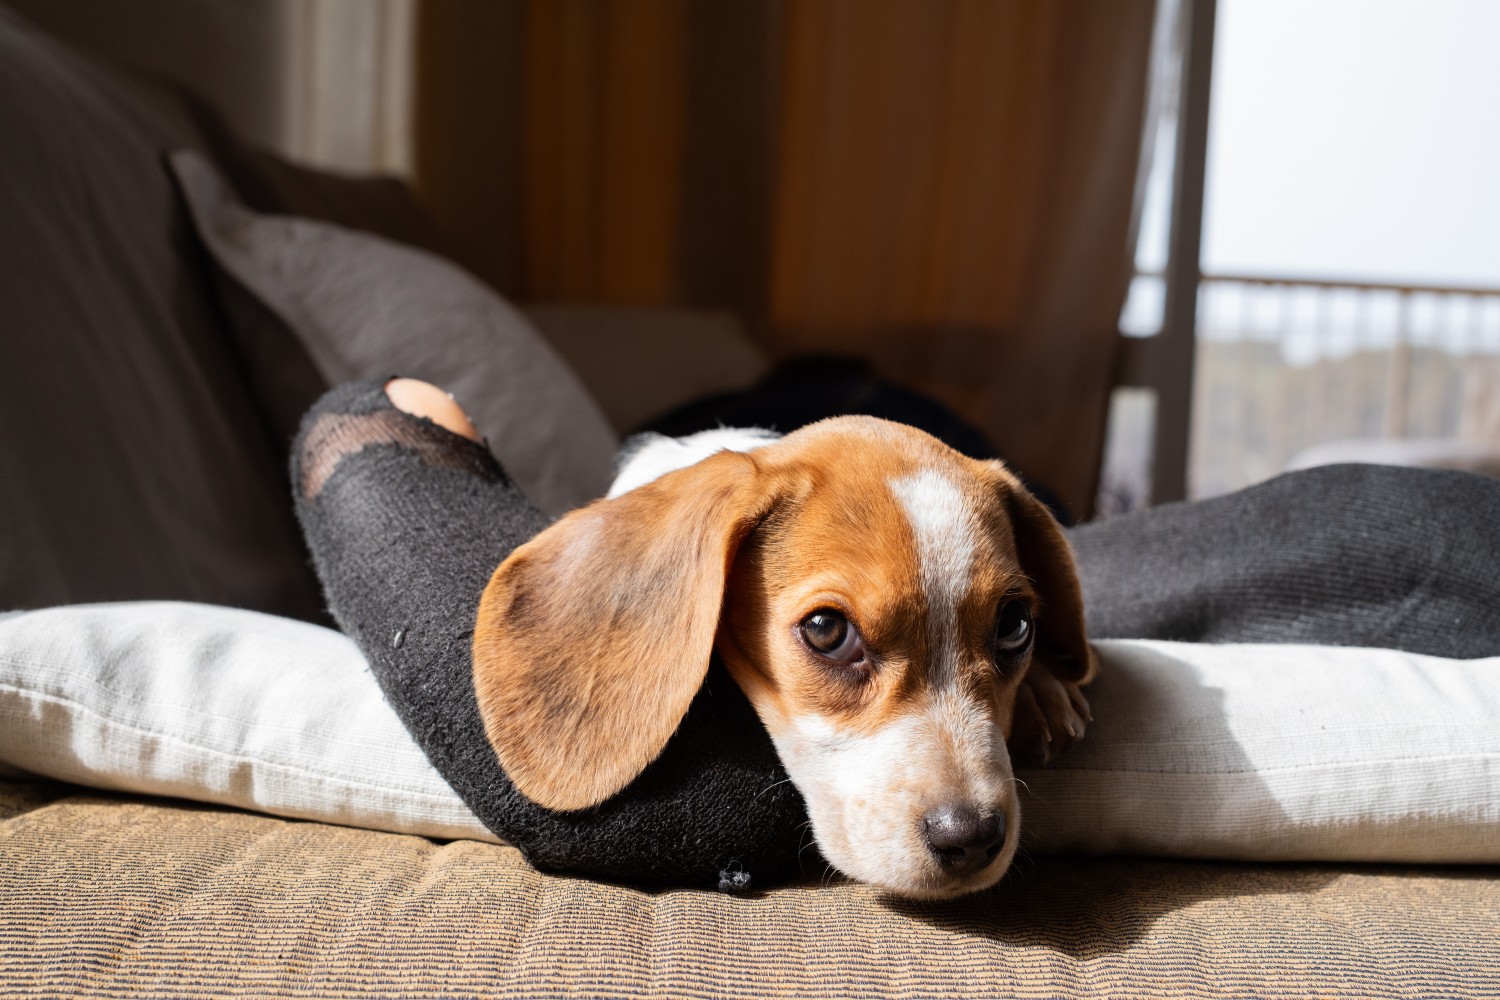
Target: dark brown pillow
{"type": "Point", "coordinates": [383, 206]}
{"type": "Point", "coordinates": [137, 463]}
{"type": "Point", "coordinates": [282, 376]}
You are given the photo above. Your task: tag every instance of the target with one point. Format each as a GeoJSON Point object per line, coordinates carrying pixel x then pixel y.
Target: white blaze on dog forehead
{"type": "Point", "coordinates": [946, 537]}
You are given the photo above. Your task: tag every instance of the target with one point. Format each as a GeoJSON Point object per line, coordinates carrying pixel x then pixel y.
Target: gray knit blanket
{"type": "Point", "coordinates": [1343, 555]}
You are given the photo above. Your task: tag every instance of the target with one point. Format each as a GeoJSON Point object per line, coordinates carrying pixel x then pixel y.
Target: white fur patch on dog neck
{"type": "Point", "coordinates": [945, 533]}
{"type": "Point", "coordinates": [647, 457]}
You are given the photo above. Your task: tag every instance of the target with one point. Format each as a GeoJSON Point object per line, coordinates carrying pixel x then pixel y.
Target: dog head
{"type": "Point", "coordinates": [878, 596]}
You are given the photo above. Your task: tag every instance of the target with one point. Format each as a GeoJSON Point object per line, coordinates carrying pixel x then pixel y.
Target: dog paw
{"type": "Point", "coordinates": [1050, 716]}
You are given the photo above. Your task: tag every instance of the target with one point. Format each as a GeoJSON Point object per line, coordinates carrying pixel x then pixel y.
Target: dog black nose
{"type": "Point", "coordinates": [962, 840]}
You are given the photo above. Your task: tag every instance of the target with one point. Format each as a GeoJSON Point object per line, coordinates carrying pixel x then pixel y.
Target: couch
{"type": "Point", "coordinates": [144, 441]}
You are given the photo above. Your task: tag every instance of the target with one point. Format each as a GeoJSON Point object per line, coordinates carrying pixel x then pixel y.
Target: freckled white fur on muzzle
{"type": "Point", "coordinates": [867, 794]}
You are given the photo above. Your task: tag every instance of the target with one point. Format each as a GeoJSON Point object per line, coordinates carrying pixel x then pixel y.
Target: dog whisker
{"type": "Point", "coordinates": [1023, 865]}
{"type": "Point", "coordinates": [807, 840]}
{"type": "Point", "coordinates": [774, 784]}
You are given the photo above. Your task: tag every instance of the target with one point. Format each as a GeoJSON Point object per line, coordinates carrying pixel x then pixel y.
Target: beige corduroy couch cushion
{"type": "Point", "coordinates": [110, 896]}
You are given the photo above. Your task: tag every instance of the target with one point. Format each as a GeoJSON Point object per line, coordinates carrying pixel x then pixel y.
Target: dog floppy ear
{"type": "Point", "coordinates": [593, 638]}
{"type": "Point", "coordinates": [1046, 557]}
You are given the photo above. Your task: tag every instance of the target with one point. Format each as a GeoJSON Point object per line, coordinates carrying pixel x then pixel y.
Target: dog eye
{"type": "Point", "coordinates": [830, 634]}
{"type": "Point", "coordinates": [1013, 628]}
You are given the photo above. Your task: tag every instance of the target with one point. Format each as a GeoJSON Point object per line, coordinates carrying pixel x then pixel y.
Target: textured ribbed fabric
{"type": "Point", "coordinates": [101, 897]}
{"type": "Point", "coordinates": [1343, 555]}
{"type": "Point", "coordinates": [406, 522]}
{"type": "Point", "coordinates": [17, 797]}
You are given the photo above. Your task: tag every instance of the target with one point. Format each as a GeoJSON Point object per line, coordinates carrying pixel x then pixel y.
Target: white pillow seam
{"type": "Point", "coordinates": [1489, 756]}
{"type": "Point", "coordinates": [124, 697]}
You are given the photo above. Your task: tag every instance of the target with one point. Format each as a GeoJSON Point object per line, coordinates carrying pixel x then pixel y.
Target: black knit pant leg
{"type": "Point", "coordinates": [1347, 555]}
{"type": "Point", "coordinates": [406, 522]}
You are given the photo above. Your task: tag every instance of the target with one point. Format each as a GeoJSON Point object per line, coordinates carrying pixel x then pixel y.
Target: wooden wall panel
{"type": "Point", "coordinates": [467, 123]}
{"type": "Point", "coordinates": [954, 191]}
{"type": "Point", "coordinates": [605, 104]}
{"type": "Point", "coordinates": [942, 186]}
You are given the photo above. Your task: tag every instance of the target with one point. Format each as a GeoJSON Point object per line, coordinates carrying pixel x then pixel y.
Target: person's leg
{"type": "Point", "coordinates": [407, 515]}
{"type": "Point", "coordinates": [398, 508]}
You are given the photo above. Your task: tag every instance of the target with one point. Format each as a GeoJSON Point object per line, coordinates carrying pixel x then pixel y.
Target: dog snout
{"type": "Point", "coordinates": [961, 839]}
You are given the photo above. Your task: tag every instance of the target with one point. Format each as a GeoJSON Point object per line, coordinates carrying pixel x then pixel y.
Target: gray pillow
{"type": "Point", "coordinates": [364, 307]}
{"type": "Point", "coordinates": [134, 462]}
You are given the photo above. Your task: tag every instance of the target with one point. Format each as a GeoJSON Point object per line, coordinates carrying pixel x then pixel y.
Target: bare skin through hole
{"type": "Point", "coordinates": [333, 436]}
{"type": "Point", "coordinates": [423, 399]}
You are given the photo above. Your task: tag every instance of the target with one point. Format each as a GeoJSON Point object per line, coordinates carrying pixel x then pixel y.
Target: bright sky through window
{"type": "Point", "coordinates": [1356, 139]}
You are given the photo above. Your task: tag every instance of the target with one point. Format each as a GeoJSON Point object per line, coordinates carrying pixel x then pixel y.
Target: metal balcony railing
{"type": "Point", "coordinates": [1285, 364]}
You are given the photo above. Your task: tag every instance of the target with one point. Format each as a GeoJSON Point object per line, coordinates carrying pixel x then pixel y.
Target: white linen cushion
{"type": "Point", "coordinates": [1278, 753]}
{"type": "Point", "coordinates": [218, 705]}
{"type": "Point", "coordinates": [1242, 752]}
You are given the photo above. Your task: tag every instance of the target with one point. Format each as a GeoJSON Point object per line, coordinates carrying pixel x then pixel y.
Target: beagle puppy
{"type": "Point", "coordinates": [898, 614]}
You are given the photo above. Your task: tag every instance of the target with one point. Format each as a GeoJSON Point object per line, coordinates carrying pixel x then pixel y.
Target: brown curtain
{"type": "Point", "coordinates": [942, 186]}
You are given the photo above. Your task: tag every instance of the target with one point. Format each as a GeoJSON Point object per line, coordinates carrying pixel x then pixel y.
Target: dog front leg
{"type": "Point", "coordinates": [1050, 716]}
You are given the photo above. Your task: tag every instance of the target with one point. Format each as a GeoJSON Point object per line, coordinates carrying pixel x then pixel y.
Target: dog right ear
{"type": "Point", "coordinates": [1047, 558]}
{"type": "Point", "coordinates": [593, 638]}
